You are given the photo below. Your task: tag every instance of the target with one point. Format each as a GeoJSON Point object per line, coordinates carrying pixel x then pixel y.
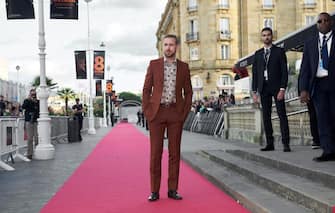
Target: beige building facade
{"type": "Point", "coordinates": [214, 34]}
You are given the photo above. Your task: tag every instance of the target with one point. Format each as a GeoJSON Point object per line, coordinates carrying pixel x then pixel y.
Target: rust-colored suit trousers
{"type": "Point", "coordinates": [168, 118]}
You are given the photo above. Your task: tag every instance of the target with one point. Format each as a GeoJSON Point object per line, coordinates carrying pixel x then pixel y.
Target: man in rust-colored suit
{"type": "Point", "coordinates": [167, 99]}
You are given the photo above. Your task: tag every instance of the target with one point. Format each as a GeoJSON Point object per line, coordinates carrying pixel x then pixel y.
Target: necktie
{"type": "Point", "coordinates": [266, 55]}
{"type": "Point", "coordinates": [324, 53]}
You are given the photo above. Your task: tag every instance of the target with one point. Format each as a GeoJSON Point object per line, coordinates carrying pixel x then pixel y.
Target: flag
{"type": "Point", "coordinates": [109, 87]}
{"type": "Point", "coordinates": [98, 91]}
{"type": "Point", "coordinates": [64, 9]}
{"type": "Point", "coordinates": [20, 9]}
{"type": "Point", "coordinates": [99, 65]}
{"type": "Point", "coordinates": [80, 60]}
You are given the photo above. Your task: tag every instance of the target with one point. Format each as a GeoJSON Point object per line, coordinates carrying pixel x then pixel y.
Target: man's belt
{"type": "Point", "coordinates": [166, 105]}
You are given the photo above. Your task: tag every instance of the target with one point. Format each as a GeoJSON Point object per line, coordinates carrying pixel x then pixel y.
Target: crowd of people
{"type": "Point", "coordinates": [213, 104]}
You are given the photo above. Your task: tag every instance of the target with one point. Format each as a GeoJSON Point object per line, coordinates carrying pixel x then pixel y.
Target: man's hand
{"type": "Point", "coordinates": [281, 95]}
{"type": "Point", "coordinates": [255, 97]}
{"type": "Point", "coordinates": [304, 97]}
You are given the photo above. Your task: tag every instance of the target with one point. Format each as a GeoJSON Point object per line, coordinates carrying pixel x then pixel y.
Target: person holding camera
{"type": "Point", "coordinates": [31, 107]}
{"type": "Point", "coordinates": [78, 113]}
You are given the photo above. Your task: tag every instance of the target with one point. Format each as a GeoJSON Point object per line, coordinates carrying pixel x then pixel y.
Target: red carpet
{"type": "Point", "coordinates": [115, 178]}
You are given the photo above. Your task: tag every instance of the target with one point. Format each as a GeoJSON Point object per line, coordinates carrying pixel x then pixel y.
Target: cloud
{"type": "Point", "coordinates": [127, 27]}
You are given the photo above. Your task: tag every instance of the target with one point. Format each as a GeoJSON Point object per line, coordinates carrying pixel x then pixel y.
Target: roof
{"type": "Point", "coordinates": [291, 42]}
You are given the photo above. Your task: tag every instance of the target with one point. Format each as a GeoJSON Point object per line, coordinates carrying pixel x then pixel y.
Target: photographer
{"type": "Point", "coordinates": [31, 107]}
{"type": "Point", "coordinates": [78, 113]}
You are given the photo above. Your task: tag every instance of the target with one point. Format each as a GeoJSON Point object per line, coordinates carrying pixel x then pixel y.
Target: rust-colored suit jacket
{"type": "Point", "coordinates": [153, 88]}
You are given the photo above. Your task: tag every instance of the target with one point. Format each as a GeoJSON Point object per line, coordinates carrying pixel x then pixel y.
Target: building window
{"type": "Point", "coordinates": [268, 22]}
{"type": "Point", "coordinates": [309, 3]}
{"type": "Point", "coordinates": [193, 26]}
{"type": "Point", "coordinates": [224, 4]}
{"type": "Point", "coordinates": [309, 20]}
{"type": "Point", "coordinates": [225, 80]}
{"type": "Point", "coordinates": [224, 24]}
{"type": "Point", "coordinates": [193, 34]}
{"type": "Point", "coordinates": [194, 53]}
{"type": "Point", "coordinates": [197, 82]}
{"type": "Point", "coordinates": [268, 4]}
{"type": "Point", "coordinates": [225, 52]}
{"type": "Point", "coordinates": [192, 5]}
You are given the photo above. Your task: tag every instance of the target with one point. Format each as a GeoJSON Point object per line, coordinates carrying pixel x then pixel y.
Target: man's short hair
{"type": "Point", "coordinates": [172, 36]}
{"type": "Point", "coordinates": [77, 99]}
{"type": "Point", "coordinates": [267, 29]}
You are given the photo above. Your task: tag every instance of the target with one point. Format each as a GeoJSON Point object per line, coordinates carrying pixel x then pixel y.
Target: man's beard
{"type": "Point", "coordinates": [171, 55]}
{"type": "Point", "coordinates": [267, 42]}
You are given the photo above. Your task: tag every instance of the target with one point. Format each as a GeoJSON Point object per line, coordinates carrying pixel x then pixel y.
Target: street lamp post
{"type": "Point", "coordinates": [109, 101]}
{"type": "Point", "coordinates": [44, 150]}
{"type": "Point", "coordinates": [17, 84]}
{"type": "Point", "coordinates": [104, 124]}
{"type": "Point", "coordinates": [91, 129]}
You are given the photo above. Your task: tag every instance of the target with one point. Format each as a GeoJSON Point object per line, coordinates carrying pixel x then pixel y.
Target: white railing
{"type": "Point", "coordinates": [13, 142]}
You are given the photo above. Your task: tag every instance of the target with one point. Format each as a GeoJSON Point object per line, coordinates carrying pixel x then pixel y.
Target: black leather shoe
{"type": "Point", "coordinates": [154, 196]}
{"type": "Point", "coordinates": [287, 148]}
{"type": "Point", "coordinates": [325, 157]}
{"type": "Point", "coordinates": [268, 148]}
{"type": "Point", "coordinates": [174, 195]}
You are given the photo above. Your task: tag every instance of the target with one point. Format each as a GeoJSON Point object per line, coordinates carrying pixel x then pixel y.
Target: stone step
{"type": "Point", "coordinates": [314, 196]}
{"type": "Point", "coordinates": [311, 173]}
{"type": "Point", "coordinates": [251, 196]}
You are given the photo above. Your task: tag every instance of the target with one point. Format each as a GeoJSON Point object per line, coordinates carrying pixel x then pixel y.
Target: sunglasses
{"type": "Point", "coordinates": [323, 20]}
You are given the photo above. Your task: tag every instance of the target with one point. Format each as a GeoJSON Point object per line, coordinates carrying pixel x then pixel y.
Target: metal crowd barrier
{"type": "Point", "coordinates": [210, 123]}
{"type": "Point", "coordinates": [13, 142]}
{"type": "Point", "coordinates": [189, 121]}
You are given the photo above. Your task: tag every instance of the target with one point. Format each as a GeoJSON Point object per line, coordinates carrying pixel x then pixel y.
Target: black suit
{"type": "Point", "coordinates": [321, 90]}
{"type": "Point", "coordinates": [277, 79]}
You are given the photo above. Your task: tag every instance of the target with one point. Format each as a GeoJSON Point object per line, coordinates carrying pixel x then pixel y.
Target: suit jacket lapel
{"type": "Point", "coordinates": [178, 77]}
{"type": "Point", "coordinates": [315, 54]}
{"type": "Point", "coordinates": [161, 72]}
{"type": "Point", "coordinates": [331, 54]}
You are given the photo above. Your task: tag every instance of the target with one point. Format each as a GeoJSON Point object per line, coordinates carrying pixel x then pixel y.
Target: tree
{"type": "Point", "coordinates": [129, 96]}
{"type": "Point", "coordinates": [66, 94]}
{"type": "Point", "coordinates": [36, 82]}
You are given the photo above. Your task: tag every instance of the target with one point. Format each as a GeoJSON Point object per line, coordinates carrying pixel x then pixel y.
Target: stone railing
{"type": "Point", "coordinates": [245, 122]}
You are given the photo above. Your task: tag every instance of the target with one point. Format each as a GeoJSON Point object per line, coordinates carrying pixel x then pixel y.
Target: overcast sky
{"type": "Point", "coordinates": [127, 27]}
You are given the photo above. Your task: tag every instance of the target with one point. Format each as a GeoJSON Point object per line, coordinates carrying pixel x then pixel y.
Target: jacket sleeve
{"type": "Point", "coordinates": [283, 66]}
{"type": "Point", "coordinates": [254, 73]}
{"type": "Point", "coordinates": [305, 70]}
{"type": "Point", "coordinates": [188, 93]}
{"type": "Point", "coordinates": [147, 89]}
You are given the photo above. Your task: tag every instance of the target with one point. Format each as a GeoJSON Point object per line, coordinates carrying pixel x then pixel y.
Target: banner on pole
{"type": "Point", "coordinates": [109, 87]}
{"type": "Point", "coordinates": [99, 65]}
{"type": "Point", "coordinates": [20, 9]}
{"type": "Point", "coordinates": [80, 60]}
{"type": "Point", "coordinates": [64, 9]}
{"type": "Point", "coordinates": [98, 88]}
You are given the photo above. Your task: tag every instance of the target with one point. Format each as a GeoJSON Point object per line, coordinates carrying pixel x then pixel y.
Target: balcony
{"type": "Point", "coordinates": [190, 37]}
{"type": "Point", "coordinates": [223, 6]}
{"type": "Point", "coordinates": [224, 63]}
{"type": "Point", "coordinates": [310, 5]}
{"type": "Point", "coordinates": [193, 8]}
{"type": "Point", "coordinates": [224, 35]}
{"type": "Point", "coordinates": [195, 64]}
{"type": "Point", "coordinates": [268, 6]}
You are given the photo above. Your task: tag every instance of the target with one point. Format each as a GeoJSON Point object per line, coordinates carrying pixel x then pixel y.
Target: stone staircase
{"type": "Point", "coordinates": [265, 183]}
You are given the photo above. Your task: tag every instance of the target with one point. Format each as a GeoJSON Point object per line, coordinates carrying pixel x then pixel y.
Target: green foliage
{"type": "Point", "coordinates": [36, 82]}
{"type": "Point", "coordinates": [129, 96]}
{"type": "Point", "coordinates": [66, 94]}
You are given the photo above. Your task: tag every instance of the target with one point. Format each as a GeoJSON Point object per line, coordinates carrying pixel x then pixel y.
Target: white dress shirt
{"type": "Point", "coordinates": [321, 71]}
